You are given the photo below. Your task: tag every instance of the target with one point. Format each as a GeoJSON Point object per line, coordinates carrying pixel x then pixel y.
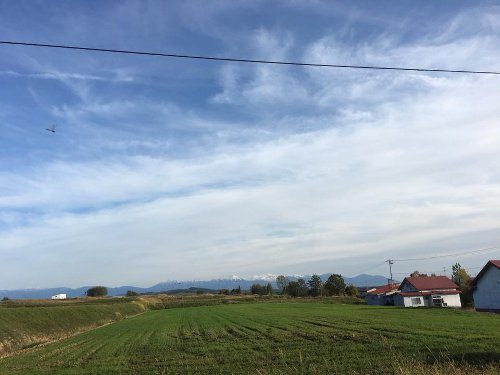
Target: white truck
{"type": "Point", "coordinates": [59, 296]}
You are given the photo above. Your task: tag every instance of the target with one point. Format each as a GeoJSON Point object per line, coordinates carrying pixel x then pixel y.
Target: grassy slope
{"type": "Point", "coordinates": [272, 338]}
{"type": "Point", "coordinates": [26, 324]}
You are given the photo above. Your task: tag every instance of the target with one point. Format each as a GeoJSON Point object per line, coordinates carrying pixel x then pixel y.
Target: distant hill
{"type": "Point", "coordinates": [366, 280]}
{"type": "Point", "coordinates": [188, 291]}
{"type": "Point", "coordinates": [174, 286]}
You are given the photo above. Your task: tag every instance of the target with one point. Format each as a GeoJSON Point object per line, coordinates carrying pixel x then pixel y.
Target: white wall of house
{"type": "Point", "coordinates": [487, 291]}
{"type": "Point", "coordinates": [417, 301]}
{"type": "Point", "coordinates": [451, 300]}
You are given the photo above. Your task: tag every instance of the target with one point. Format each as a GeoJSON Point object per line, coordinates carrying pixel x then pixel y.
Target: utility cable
{"type": "Point", "coordinates": [242, 60]}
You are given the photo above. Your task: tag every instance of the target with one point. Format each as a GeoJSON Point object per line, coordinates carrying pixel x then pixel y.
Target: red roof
{"type": "Point", "coordinates": [383, 289]}
{"type": "Point", "coordinates": [431, 282]}
{"type": "Point", "coordinates": [493, 263]}
{"type": "Point", "coordinates": [411, 294]}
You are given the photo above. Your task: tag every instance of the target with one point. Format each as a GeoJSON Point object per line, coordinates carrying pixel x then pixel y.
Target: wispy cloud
{"type": "Point", "coordinates": [68, 76]}
{"type": "Point", "coordinates": [260, 169]}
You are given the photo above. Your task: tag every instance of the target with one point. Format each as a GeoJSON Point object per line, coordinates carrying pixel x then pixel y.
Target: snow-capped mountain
{"type": "Point", "coordinates": [267, 276]}
{"type": "Point", "coordinates": [232, 282]}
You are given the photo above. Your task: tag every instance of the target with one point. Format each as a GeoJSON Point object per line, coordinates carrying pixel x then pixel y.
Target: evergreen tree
{"type": "Point", "coordinates": [335, 285]}
{"type": "Point", "coordinates": [315, 286]}
{"type": "Point", "coordinates": [417, 274]}
{"type": "Point", "coordinates": [97, 291]}
{"type": "Point", "coordinates": [297, 288]}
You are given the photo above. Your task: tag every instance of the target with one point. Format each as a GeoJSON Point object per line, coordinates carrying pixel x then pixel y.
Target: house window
{"type": "Point", "coordinates": [415, 301]}
{"type": "Point", "coordinates": [437, 301]}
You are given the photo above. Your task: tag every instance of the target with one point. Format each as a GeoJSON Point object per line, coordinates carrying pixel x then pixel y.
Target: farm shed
{"type": "Point", "coordinates": [486, 287]}
{"type": "Point", "coordinates": [59, 296]}
{"type": "Point", "coordinates": [381, 295]}
{"type": "Point", "coordinates": [428, 291]}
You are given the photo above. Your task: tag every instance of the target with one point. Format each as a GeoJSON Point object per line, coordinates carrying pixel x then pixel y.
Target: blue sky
{"type": "Point", "coordinates": [177, 169]}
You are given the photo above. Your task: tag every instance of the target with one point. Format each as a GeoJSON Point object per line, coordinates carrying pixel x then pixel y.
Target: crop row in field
{"type": "Point", "coordinates": [276, 338]}
{"type": "Point", "coordinates": [30, 323]}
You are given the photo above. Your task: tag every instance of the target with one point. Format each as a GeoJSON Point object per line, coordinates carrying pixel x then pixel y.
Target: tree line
{"type": "Point", "coordinates": [314, 287]}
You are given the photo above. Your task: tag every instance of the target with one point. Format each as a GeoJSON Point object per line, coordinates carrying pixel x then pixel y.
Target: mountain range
{"type": "Point", "coordinates": [362, 280]}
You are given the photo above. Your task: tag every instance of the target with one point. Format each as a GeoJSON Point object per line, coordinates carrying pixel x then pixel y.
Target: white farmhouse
{"type": "Point", "coordinates": [59, 296]}
{"type": "Point", "coordinates": [486, 286]}
{"type": "Point", "coordinates": [428, 291]}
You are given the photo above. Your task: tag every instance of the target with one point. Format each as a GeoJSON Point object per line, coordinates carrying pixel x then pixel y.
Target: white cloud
{"type": "Point", "coordinates": [420, 171]}
{"type": "Point", "coordinates": [338, 165]}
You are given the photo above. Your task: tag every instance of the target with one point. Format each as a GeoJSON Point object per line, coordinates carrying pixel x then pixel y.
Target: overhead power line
{"type": "Point", "coordinates": [477, 251]}
{"type": "Point", "coordinates": [391, 261]}
{"type": "Point", "coordinates": [241, 60]}
{"type": "Point", "coordinates": [436, 272]}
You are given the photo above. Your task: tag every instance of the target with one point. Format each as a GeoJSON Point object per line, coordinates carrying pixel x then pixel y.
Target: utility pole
{"type": "Point", "coordinates": [391, 262]}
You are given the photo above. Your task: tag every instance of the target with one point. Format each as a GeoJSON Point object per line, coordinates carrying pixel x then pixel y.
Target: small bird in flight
{"type": "Point", "coordinates": [51, 129]}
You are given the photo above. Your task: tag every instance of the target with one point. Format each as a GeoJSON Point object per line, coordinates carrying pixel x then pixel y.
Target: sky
{"type": "Point", "coordinates": [170, 169]}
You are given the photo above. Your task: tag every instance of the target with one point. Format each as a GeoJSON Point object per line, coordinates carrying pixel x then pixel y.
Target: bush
{"type": "Point", "coordinates": [282, 283]}
{"type": "Point", "coordinates": [97, 291]}
{"type": "Point", "coordinates": [5, 299]}
{"type": "Point", "coordinates": [131, 293]}
{"type": "Point", "coordinates": [257, 289]}
{"type": "Point", "coordinates": [351, 290]}
{"type": "Point", "coordinates": [236, 291]}
{"type": "Point", "coordinates": [261, 290]}
{"type": "Point", "coordinates": [297, 288]}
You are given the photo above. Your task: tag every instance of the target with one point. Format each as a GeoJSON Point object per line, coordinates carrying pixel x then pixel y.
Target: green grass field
{"type": "Point", "coordinates": [271, 338]}
{"type": "Point", "coordinates": [25, 324]}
